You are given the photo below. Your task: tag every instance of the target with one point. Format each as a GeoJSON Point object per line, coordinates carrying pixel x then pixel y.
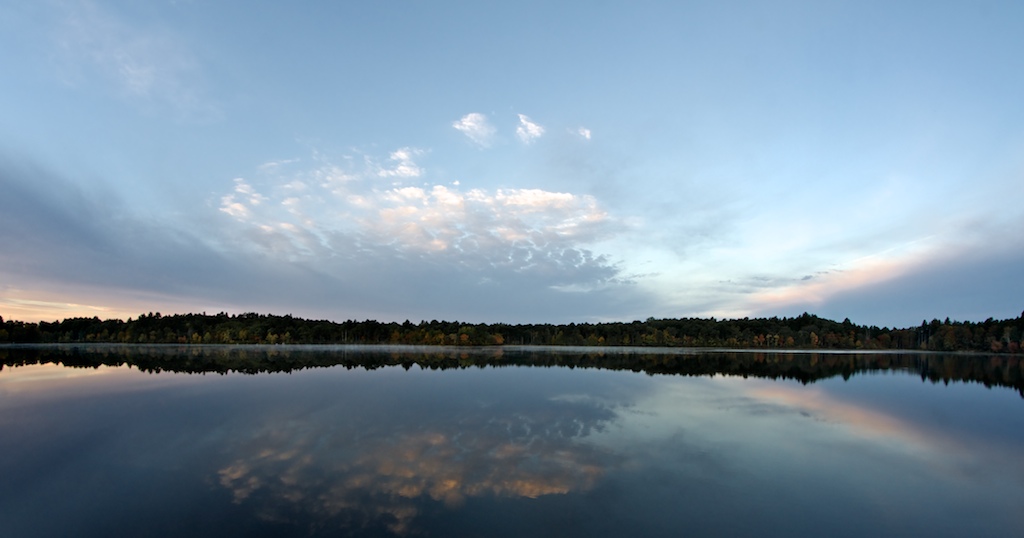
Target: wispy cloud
{"type": "Point", "coordinates": [237, 204]}
{"type": "Point", "coordinates": [528, 131]}
{"type": "Point", "coordinates": [28, 309]}
{"type": "Point", "coordinates": [67, 248]}
{"type": "Point", "coordinates": [477, 127]}
{"type": "Point", "coordinates": [274, 165]}
{"type": "Point", "coordinates": [583, 132]}
{"type": "Point", "coordinates": [146, 64]}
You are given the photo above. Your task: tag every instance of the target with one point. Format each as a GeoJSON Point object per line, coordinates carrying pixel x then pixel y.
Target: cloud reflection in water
{"type": "Point", "coordinates": [511, 451]}
{"type": "Point", "coordinates": [387, 474]}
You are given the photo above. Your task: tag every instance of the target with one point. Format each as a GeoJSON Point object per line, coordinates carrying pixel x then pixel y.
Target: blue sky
{"type": "Point", "coordinates": [512, 162]}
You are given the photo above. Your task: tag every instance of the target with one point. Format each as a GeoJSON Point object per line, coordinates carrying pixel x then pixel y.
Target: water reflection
{"type": "Point", "coordinates": [402, 442]}
{"type": "Point", "coordinates": [357, 473]}
{"type": "Point", "coordinates": [996, 370]}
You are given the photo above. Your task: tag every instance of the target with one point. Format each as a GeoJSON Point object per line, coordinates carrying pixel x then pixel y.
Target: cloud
{"type": "Point", "coordinates": [583, 132]}
{"type": "Point", "coordinates": [146, 64]}
{"type": "Point", "coordinates": [72, 250]}
{"type": "Point", "coordinates": [274, 165]}
{"type": "Point", "coordinates": [957, 270]}
{"type": "Point", "coordinates": [327, 242]}
{"type": "Point", "coordinates": [971, 286]}
{"type": "Point", "coordinates": [506, 250]}
{"type": "Point", "coordinates": [528, 131]}
{"type": "Point", "coordinates": [476, 126]}
{"type": "Point", "coordinates": [491, 232]}
{"type": "Point", "coordinates": [403, 164]}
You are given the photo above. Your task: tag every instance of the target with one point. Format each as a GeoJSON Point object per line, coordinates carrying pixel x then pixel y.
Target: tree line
{"type": "Point", "coordinates": [1002, 370]}
{"type": "Point", "coordinates": [806, 331]}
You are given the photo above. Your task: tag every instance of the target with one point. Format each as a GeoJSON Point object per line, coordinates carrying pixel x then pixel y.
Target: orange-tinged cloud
{"type": "Point", "coordinates": [866, 271]}
{"type": "Point", "coordinates": [48, 301]}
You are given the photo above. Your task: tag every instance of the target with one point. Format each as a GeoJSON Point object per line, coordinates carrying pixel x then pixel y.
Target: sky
{"type": "Point", "coordinates": [548, 162]}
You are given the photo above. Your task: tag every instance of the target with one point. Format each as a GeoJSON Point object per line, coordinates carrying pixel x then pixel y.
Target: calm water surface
{"type": "Point", "coordinates": [503, 451]}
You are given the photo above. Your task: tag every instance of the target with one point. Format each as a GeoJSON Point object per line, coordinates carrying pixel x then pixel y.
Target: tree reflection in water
{"type": "Point", "coordinates": [804, 366]}
{"type": "Point", "coordinates": [373, 441]}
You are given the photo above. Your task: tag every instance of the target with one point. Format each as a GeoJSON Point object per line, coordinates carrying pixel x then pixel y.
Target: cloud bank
{"type": "Point", "coordinates": [334, 214]}
{"type": "Point", "coordinates": [326, 241]}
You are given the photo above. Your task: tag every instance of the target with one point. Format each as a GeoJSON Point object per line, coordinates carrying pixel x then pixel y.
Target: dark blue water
{"type": "Point", "coordinates": [513, 451]}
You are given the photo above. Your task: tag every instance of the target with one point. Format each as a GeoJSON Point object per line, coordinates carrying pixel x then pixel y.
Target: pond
{"type": "Point", "coordinates": [389, 441]}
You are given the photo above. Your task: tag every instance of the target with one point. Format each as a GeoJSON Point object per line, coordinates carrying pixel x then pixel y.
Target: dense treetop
{"type": "Point", "coordinates": [806, 331]}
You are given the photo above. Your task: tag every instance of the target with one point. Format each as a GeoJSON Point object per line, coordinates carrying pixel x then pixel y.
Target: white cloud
{"type": "Point", "coordinates": [403, 166]}
{"type": "Point", "coordinates": [481, 223]}
{"type": "Point", "coordinates": [583, 132]}
{"type": "Point", "coordinates": [476, 126]}
{"type": "Point", "coordinates": [503, 230]}
{"type": "Point", "coordinates": [528, 131]}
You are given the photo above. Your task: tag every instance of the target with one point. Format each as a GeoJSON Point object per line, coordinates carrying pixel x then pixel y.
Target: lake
{"type": "Point", "coordinates": [395, 441]}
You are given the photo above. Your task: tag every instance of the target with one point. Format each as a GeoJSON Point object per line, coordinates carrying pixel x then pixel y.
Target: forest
{"type": "Point", "coordinates": [806, 367]}
{"type": "Point", "coordinates": [806, 331]}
